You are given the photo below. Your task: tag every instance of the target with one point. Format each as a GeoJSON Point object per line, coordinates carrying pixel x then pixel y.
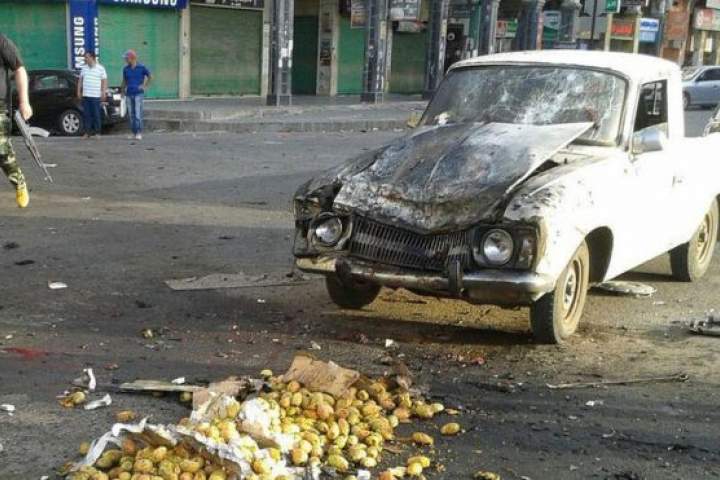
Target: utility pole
{"type": "Point", "coordinates": [374, 69]}
{"type": "Point", "coordinates": [281, 53]}
{"type": "Point", "coordinates": [568, 20]}
{"type": "Point", "coordinates": [593, 24]}
{"type": "Point", "coordinates": [435, 52]}
{"type": "Point", "coordinates": [488, 26]}
{"type": "Point", "coordinates": [528, 33]}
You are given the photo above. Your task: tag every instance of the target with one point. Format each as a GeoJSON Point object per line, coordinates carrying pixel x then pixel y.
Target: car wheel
{"type": "Point", "coordinates": [556, 315]}
{"type": "Point", "coordinates": [686, 101]}
{"type": "Point", "coordinates": [691, 260]}
{"type": "Point", "coordinates": [70, 122]}
{"type": "Point", "coordinates": [353, 296]}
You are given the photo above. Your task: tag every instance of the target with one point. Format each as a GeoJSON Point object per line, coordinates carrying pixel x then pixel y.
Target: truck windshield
{"type": "Point", "coordinates": [532, 95]}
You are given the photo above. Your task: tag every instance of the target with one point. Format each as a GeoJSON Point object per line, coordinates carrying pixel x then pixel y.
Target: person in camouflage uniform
{"type": "Point", "coordinates": [10, 61]}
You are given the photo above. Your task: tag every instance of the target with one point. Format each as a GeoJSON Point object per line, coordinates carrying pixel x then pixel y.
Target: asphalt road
{"type": "Point", "coordinates": [123, 217]}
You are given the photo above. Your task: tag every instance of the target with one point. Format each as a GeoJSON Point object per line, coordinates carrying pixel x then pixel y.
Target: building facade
{"type": "Point", "coordinates": [223, 47]}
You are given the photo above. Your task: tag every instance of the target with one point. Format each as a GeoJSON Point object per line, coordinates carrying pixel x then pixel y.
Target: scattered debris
{"type": "Point", "coordinates": [680, 377]}
{"type": "Point", "coordinates": [106, 401]}
{"type": "Point", "coordinates": [57, 285]}
{"type": "Point", "coordinates": [158, 386]}
{"type": "Point", "coordinates": [111, 366]}
{"type": "Point", "coordinates": [233, 280]}
{"type": "Point", "coordinates": [389, 343]}
{"type": "Point", "coordinates": [594, 403]}
{"type": "Point", "coordinates": [11, 245]}
{"type": "Point", "coordinates": [285, 429]}
{"type": "Point", "coordinates": [178, 381]}
{"type": "Point", "coordinates": [125, 416]}
{"type": "Point", "coordinates": [73, 399]}
{"type": "Point", "coordinates": [9, 336]}
{"type": "Point", "coordinates": [483, 475]}
{"type": "Point", "coordinates": [23, 263]}
{"type": "Point", "coordinates": [147, 333]}
{"type": "Point", "coordinates": [232, 386]}
{"type": "Point", "coordinates": [619, 287]}
{"type": "Point", "coordinates": [314, 345]}
{"type": "Point", "coordinates": [6, 407]}
{"type": "Point", "coordinates": [709, 326]}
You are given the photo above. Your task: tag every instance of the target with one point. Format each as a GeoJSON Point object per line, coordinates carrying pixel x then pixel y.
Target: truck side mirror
{"type": "Point", "coordinates": [648, 140]}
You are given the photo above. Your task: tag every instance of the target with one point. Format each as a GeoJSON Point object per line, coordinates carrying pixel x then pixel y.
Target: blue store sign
{"type": "Point", "coordinates": [83, 31]}
{"type": "Point", "coordinates": [177, 4]}
{"type": "Point", "coordinates": [649, 29]}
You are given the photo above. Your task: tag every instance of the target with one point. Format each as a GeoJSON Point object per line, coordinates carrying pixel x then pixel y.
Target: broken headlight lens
{"type": "Point", "coordinates": [327, 230]}
{"type": "Point", "coordinates": [497, 247]}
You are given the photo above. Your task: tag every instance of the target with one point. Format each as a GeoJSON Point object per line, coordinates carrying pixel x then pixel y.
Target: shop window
{"type": "Point", "coordinates": [652, 108]}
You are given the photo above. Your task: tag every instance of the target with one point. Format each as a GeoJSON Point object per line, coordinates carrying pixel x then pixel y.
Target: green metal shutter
{"type": "Point", "coordinates": [226, 51]}
{"type": "Point", "coordinates": [39, 30]}
{"type": "Point", "coordinates": [408, 63]}
{"type": "Point", "coordinates": [153, 34]}
{"type": "Point", "coordinates": [305, 51]}
{"type": "Point", "coordinates": [351, 56]}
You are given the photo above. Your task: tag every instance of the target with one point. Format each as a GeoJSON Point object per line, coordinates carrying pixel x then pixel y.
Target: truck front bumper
{"type": "Point", "coordinates": [498, 287]}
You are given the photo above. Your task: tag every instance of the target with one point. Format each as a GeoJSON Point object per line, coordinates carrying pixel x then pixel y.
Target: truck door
{"type": "Point", "coordinates": [654, 174]}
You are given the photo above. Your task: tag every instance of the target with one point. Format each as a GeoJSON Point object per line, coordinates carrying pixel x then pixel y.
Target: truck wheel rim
{"type": "Point", "coordinates": [704, 245]}
{"type": "Point", "coordinates": [71, 123]}
{"type": "Point", "coordinates": [571, 290]}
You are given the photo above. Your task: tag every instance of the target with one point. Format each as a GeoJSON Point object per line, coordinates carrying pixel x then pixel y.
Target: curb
{"type": "Point", "coordinates": [179, 125]}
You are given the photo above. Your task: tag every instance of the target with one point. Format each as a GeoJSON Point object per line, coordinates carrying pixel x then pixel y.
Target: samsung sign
{"type": "Point", "coordinates": [83, 31]}
{"type": "Point", "coordinates": [177, 4]}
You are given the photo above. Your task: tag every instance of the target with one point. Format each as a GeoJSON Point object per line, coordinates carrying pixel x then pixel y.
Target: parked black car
{"type": "Point", "coordinates": [56, 106]}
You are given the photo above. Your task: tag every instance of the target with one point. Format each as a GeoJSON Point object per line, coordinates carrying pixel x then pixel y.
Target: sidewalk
{"type": "Point", "coordinates": [307, 114]}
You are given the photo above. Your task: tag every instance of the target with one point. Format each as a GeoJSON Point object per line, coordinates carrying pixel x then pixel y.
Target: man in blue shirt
{"type": "Point", "coordinates": [136, 78]}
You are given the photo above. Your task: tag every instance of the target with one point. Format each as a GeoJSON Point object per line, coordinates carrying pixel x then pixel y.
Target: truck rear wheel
{"type": "Point", "coordinates": [353, 296]}
{"type": "Point", "coordinates": [690, 261]}
{"type": "Point", "coordinates": [556, 315]}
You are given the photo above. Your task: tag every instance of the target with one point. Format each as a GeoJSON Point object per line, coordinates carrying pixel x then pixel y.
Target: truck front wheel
{"type": "Point", "coordinates": [556, 315]}
{"type": "Point", "coordinates": [353, 296]}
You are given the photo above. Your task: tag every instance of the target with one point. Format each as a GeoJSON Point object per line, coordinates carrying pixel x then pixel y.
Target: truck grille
{"type": "Point", "coordinates": [394, 246]}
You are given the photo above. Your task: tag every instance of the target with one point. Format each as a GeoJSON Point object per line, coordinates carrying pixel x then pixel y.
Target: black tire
{"type": "Point", "coordinates": [556, 315]}
{"type": "Point", "coordinates": [686, 101]}
{"type": "Point", "coordinates": [70, 123]}
{"type": "Point", "coordinates": [354, 296]}
{"type": "Point", "coordinates": [690, 261]}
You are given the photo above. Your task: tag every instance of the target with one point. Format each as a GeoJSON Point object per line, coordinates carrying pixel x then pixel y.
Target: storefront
{"type": "Point", "coordinates": [152, 32]}
{"type": "Point", "coordinates": [706, 39]}
{"type": "Point", "coordinates": [226, 47]}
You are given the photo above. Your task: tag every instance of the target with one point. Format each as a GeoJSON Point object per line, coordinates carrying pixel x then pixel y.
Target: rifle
{"type": "Point", "coordinates": [27, 132]}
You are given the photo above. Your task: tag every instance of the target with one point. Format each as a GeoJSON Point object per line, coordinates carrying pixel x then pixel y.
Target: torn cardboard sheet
{"type": "Point", "coordinates": [233, 280]}
{"type": "Point", "coordinates": [321, 376]}
{"type": "Point", "coordinates": [232, 386]}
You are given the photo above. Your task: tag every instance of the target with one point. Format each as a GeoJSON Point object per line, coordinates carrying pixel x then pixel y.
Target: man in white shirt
{"type": "Point", "coordinates": [91, 89]}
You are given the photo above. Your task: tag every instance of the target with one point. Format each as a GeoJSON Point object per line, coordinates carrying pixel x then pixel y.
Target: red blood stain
{"type": "Point", "coordinates": [26, 353]}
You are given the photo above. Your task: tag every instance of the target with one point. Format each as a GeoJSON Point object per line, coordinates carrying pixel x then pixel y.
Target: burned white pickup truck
{"type": "Point", "coordinates": [531, 176]}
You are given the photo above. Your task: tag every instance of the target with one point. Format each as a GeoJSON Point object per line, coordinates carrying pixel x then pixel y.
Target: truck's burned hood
{"type": "Point", "coordinates": [446, 177]}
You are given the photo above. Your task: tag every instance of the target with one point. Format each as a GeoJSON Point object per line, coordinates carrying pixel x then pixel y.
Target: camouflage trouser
{"type": "Point", "coordinates": [7, 155]}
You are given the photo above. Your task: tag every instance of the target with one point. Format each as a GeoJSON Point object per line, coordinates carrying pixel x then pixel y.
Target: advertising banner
{"type": "Point", "coordinates": [404, 10]}
{"type": "Point", "coordinates": [649, 28]}
{"type": "Point", "coordinates": [82, 30]}
{"type": "Point", "coordinates": [358, 14]}
{"type": "Point", "coordinates": [707, 19]}
{"type": "Point", "coordinates": [177, 4]}
{"type": "Point", "coordinates": [242, 4]}
{"type": "Point", "coordinates": [623, 29]}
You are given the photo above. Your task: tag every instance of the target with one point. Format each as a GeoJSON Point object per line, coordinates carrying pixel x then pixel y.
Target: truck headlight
{"type": "Point", "coordinates": [327, 230]}
{"type": "Point", "coordinates": [496, 248]}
